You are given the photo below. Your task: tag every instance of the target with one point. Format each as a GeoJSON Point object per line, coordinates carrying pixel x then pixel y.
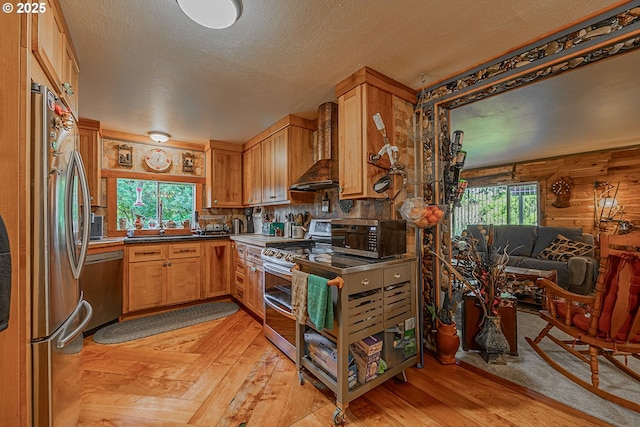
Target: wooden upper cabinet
{"type": "Point", "coordinates": [53, 49]}
{"type": "Point", "coordinates": [90, 136]}
{"type": "Point", "coordinates": [286, 151]}
{"type": "Point", "coordinates": [47, 41]}
{"type": "Point", "coordinates": [274, 168]}
{"type": "Point", "coordinates": [224, 174]}
{"type": "Point", "coordinates": [252, 179]}
{"type": "Point", "coordinates": [360, 97]}
{"type": "Point", "coordinates": [70, 76]}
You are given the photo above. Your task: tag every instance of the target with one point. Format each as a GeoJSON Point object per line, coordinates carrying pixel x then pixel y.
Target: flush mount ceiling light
{"type": "Point", "coordinates": [216, 14]}
{"type": "Point", "coordinates": [159, 136]}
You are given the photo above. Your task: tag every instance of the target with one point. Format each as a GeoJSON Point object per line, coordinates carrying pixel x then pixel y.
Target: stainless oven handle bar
{"type": "Point", "coordinates": [278, 272]}
{"type": "Point", "coordinates": [268, 301]}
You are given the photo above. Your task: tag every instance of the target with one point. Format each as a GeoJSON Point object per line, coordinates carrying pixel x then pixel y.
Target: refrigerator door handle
{"type": "Point", "coordinates": [67, 338]}
{"type": "Point", "coordinates": [75, 164]}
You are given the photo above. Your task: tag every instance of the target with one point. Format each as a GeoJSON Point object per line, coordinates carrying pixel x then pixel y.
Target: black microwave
{"type": "Point", "coordinates": [371, 238]}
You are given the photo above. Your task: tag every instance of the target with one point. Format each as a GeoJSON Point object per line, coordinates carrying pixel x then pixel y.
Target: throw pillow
{"type": "Point", "coordinates": [562, 248]}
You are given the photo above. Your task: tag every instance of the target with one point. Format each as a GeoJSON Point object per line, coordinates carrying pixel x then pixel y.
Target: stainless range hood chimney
{"type": "Point", "coordinates": [324, 172]}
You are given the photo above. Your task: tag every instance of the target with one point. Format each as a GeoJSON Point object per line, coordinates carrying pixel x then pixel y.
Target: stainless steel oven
{"type": "Point", "coordinates": [279, 321]}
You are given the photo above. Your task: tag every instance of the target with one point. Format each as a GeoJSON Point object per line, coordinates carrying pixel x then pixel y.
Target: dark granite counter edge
{"type": "Point", "coordinates": [165, 239]}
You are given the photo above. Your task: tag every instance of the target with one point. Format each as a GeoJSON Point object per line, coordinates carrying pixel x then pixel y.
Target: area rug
{"type": "Point", "coordinates": [529, 370]}
{"type": "Point", "coordinates": [163, 322]}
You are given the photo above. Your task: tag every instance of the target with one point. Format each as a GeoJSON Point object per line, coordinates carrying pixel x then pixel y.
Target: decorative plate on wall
{"type": "Point", "coordinates": [157, 159]}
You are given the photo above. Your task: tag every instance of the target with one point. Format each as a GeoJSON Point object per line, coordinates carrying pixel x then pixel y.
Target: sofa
{"type": "Point", "coordinates": [567, 250]}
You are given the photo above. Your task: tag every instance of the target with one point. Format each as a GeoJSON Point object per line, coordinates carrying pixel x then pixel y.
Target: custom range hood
{"type": "Point", "coordinates": [324, 172]}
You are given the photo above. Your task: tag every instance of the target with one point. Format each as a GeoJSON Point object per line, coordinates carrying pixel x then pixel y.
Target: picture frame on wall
{"type": "Point", "coordinates": [125, 156]}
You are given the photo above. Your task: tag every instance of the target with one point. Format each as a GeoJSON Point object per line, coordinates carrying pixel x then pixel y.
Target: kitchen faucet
{"type": "Point", "coordinates": [160, 222]}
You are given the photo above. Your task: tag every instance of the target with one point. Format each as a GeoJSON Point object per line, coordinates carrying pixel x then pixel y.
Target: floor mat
{"type": "Point", "coordinates": [163, 322]}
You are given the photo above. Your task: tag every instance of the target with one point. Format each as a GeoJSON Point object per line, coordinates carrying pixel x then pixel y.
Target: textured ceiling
{"type": "Point", "coordinates": [588, 109]}
{"type": "Point", "coordinates": [145, 66]}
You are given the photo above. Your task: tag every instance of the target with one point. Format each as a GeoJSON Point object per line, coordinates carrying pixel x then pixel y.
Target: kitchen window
{"type": "Point", "coordinates": [136, 197]}
{"type": "Point", "coordinates": [499, 204]}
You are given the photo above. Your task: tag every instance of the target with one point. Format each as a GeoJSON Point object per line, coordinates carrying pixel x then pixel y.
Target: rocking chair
{"type": "Point", "coordinates": [606, 324]}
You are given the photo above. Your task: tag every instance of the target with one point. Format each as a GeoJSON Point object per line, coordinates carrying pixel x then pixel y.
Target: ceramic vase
{"type": "Point", "coordinates": [447, 342]}
{"type": "Point", "coordinates": [492, 341]}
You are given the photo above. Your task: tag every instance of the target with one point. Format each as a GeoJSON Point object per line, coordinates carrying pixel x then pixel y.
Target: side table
{"type": "Point", "coordinates": [524, 285]}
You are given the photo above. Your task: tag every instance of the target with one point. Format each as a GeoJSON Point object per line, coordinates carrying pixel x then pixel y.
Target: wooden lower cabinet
{"type": "Point", "coordinates": [248, 282]}
{"type": "Point", "coordinates": [146, 282]}
{"type": "Point", "coordinates": [183, 280]}
{"type": "Point", "coordinates": [254, 297]}
{"type": "Point", "coordinates": [217, 268]}
{"type": "Point", "coordinates": [160, 275]}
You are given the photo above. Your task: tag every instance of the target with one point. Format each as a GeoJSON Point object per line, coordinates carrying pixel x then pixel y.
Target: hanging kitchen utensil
{"type": "Point", "coordinates": [383, 184]}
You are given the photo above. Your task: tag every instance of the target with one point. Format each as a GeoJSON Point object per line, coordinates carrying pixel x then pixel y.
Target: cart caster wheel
{"type": "Point", "coordinates": [300, 378]}
{"type": "Point", "coordinates": [338, 417]}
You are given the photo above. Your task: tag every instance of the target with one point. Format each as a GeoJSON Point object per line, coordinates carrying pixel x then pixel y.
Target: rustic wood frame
{"type": "Point", "coordinates": [578, 45]}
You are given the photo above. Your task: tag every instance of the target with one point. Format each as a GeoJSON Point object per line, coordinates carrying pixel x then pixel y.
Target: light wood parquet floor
{"type": "Point", "coordinates": [225, 373]}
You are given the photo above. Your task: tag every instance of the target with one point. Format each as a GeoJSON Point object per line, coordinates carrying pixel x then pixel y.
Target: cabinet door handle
{"type": "Point", "coordinates": [164, 264]}
{"type": "Point", "coordinates": [253, 269]}
{"type": "Point", "coordinates": [169, 264]}
{"type": "Point", "coordinates": [365, 282]}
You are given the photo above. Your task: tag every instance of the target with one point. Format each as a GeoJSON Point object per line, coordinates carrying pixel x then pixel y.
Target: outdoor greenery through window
{"type": "Point", "coordinates": [139, 198]}
{"type": "Point", "coordinates": [500, 204]}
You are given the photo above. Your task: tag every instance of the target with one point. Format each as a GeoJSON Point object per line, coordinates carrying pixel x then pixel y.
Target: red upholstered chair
{"type": "Point", "coordinates": [606, 324]}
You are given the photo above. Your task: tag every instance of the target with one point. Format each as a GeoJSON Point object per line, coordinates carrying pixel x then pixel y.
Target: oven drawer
{"type": "Point", "coordinates": [365, 281]}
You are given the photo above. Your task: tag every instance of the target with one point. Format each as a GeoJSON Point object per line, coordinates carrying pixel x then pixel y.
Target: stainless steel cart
{"type": "Point", "coordinates": [371, 299]}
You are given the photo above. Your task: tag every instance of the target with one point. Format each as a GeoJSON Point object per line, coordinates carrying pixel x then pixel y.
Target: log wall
{"type": "Point", "coordinates": [619, 167]}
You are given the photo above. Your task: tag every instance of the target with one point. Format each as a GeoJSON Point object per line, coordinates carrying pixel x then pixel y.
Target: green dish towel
{"type": "Point", "coordinates": [319, 302]}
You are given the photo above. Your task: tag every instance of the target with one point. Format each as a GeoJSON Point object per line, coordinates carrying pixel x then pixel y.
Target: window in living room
{"type": "Point", "coordinates": [498, 204]}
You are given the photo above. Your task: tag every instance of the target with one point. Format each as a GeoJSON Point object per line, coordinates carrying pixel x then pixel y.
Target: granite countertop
{"type": "Point", "coordinates": [264, 241]}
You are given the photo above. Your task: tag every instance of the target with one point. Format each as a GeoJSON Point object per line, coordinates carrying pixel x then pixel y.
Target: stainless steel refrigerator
{"type": "Point", "coordinates": [60, 226]}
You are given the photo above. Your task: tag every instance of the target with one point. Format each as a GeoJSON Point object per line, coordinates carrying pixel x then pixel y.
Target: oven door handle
{"type": "Point", "coordinates": [271, 302]}
{"type": "Point", "coordinates": [275, 271]}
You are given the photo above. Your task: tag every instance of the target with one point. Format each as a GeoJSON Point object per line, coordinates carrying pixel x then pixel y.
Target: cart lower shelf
{"type": "Point", "coordinates": [342, 402]}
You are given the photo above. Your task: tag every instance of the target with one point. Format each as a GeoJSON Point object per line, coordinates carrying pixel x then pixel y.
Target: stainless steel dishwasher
{"type": "Point", "coordinates": [101, 282]}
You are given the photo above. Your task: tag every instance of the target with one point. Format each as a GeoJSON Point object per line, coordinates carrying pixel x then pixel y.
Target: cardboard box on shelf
{"type": "Point", "coordinates": [323, 352]}
{"type": "Point", "coordinates": [369, 345]}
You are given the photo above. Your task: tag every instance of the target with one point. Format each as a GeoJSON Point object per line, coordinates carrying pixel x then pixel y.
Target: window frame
{"type": "Point", "coordinates": [111, 177]}
{"type": "Point", "coordinates": [509, 196]}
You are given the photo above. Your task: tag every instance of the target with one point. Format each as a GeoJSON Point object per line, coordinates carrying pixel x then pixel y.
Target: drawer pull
{"type": "Point", "coordinates": [365, 282]}
{"type": "Point", "coordinates": [186, 250]}
{"type": "Point", "coordinates": [397, 275]}
{"type": "Point", "coordinates": [148, 253]}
